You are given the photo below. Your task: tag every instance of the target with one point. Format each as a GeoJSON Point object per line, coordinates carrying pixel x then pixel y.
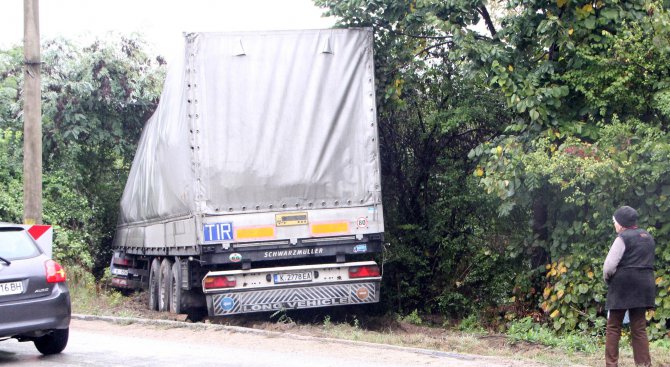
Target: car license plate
{"type": "Point", "coordinates": [11, 288]}
{"type": "Point", "coordinates": [123, 272]}
{"type": "Point", "coordinates": [305, 276]}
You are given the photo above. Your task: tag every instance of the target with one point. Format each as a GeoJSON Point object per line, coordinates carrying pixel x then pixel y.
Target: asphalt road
{"type": "Point", "coordinates": [100, 343]}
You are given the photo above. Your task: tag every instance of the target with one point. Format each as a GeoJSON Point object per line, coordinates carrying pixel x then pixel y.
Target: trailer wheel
{"type": "Point", "coordinates": [176, 301]}
{"type": "Point", "coordinates": [154, 275]}
{"type": "Point", "coordinates": [164, 288]}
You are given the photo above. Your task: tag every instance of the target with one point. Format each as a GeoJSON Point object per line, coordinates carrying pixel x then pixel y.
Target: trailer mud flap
{"type": "Point", "coordinates": [292, 298]}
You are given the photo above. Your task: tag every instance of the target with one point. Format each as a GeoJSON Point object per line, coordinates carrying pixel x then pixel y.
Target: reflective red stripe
{"type": "Point", "coordinates": [38, 230]}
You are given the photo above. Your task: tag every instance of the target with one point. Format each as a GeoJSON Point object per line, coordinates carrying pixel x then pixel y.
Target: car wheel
{"type": "Point", "coordinates": [153, 284]}
{"type": "Point", "coordinates": [164, 288]}
{"type": "Point", "coordinates": [52, 343]}
{"type": "Point", "coordinates": [176, 304]}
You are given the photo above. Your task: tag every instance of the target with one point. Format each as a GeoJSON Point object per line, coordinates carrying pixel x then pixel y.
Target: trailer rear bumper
{"type": "Point", "coordinates": [125, 283]}
{"type": "Point", "coordinates": [297, 297]}
{"type": "Point", "coordinates": [291, 287]}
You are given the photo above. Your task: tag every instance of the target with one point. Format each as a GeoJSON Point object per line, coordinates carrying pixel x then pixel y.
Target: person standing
{"type": "Point", "coordinates": [629, 273]}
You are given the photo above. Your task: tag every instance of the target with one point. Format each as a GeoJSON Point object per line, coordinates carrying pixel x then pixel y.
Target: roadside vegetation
{"type": "Point", "coordinates": [505, 150]}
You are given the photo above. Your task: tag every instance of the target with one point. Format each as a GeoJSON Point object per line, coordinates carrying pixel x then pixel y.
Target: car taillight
{"type": "Point", "coordinates": [364, 271]}
{"type": "Point", "coordinates": [55, 272]}
{"type": "Point", "coordinates": [220, 281]}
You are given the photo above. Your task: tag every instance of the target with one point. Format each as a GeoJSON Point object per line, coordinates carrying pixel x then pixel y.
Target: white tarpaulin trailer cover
{"type": "Point", "coordinates": [260, 121]}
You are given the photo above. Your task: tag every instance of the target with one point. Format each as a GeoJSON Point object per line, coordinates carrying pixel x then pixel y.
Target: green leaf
{"type": "Point", "coordinates": [521, 106]}
{"type": "Point", "coordinates": [609, 13]}
{"type": "Point", "coordinates": [590, 22]}
{"type": "Point", "coordinates": [583, 288]}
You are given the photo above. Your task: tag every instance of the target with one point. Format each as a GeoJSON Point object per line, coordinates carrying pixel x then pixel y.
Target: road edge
{"type": "Point", "coordinates": [244, 330]}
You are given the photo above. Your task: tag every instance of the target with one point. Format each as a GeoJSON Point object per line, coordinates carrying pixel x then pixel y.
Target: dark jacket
{"type": "Point", "coordinates": [633, 285]}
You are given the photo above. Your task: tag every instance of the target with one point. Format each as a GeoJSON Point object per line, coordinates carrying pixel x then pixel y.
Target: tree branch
{"type": "Point", "coordinates": [428, 48]}
{"type": "Point", "coordinates": [420, 117]}
{"type": "Point", "coordinates": [420, 35]}
{"type": "Point", "coordinates": [487, 19]}
{"type": "Point", "coordinates": [554, 49]}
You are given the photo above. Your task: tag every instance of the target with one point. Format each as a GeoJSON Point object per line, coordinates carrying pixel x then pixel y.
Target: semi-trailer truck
{"type": "Point", "coordinates": [256, 182]}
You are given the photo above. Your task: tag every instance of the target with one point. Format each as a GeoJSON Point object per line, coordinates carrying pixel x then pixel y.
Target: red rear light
{"type": "Point", "coordinates": [55, 272]}
{"type": "Point", "coordinates": [220, 281]}
{"type": "Point", "coordinates": [366, 271]}
{"type": "Point", "coordinates": [121, 261]}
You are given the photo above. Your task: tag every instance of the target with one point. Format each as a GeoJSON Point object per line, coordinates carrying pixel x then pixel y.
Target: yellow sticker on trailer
{"type": "Point", "coordinates": [246, 233]}
{"type": "Point", "coordinates": [330, 228]}
{"type": "Point", "coordinates": [291, 219]}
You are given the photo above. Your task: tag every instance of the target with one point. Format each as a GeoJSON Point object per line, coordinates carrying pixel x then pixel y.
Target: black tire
{"type": "Point", "coordinates": [196, 314]}
{"type": "Point", "coordinates": [154, 276]}
{"type": "Point", "coordinates": [176, 293]}
{"type": "Point", "coordinates": [52, 343]}
{"type": "Point", "coordinates": [164, 288]}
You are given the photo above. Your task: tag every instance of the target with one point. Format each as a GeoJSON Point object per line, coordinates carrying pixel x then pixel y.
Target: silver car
{"type": "Point", "coordinates": [34, 297]}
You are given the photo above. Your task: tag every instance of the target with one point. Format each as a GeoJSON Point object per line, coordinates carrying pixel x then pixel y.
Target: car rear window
{"type": "Point", "coordinates": [16, 244]}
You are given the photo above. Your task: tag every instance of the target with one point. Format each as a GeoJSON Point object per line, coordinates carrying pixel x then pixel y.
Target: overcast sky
{"type": "Point", "coordinates": [161, 22]}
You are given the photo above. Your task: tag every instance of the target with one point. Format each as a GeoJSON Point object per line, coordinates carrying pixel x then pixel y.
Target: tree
{"type": "Point", "coordinates": [605, 79]}
{"type": "Point", "coordinates": [95, 101]}
{"type": "Point", "coordinates": [570, 73]}
{"type": "Point", "coordinates": [431, 113]}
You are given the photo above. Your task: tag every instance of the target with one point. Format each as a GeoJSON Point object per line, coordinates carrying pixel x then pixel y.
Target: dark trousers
{"type": "Point", "coordinates": [638, 334]}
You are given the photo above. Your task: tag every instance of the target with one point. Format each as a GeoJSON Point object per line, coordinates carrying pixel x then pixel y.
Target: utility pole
{"type": "Point", "coordinates": [32, 115]}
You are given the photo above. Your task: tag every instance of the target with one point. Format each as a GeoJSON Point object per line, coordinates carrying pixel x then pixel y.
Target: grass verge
{"type": "Point", "coordinates": [88, 297]}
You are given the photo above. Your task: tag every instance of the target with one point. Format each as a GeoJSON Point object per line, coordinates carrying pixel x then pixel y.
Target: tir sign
{"type": "Point", "coordinates": [213, 232]}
